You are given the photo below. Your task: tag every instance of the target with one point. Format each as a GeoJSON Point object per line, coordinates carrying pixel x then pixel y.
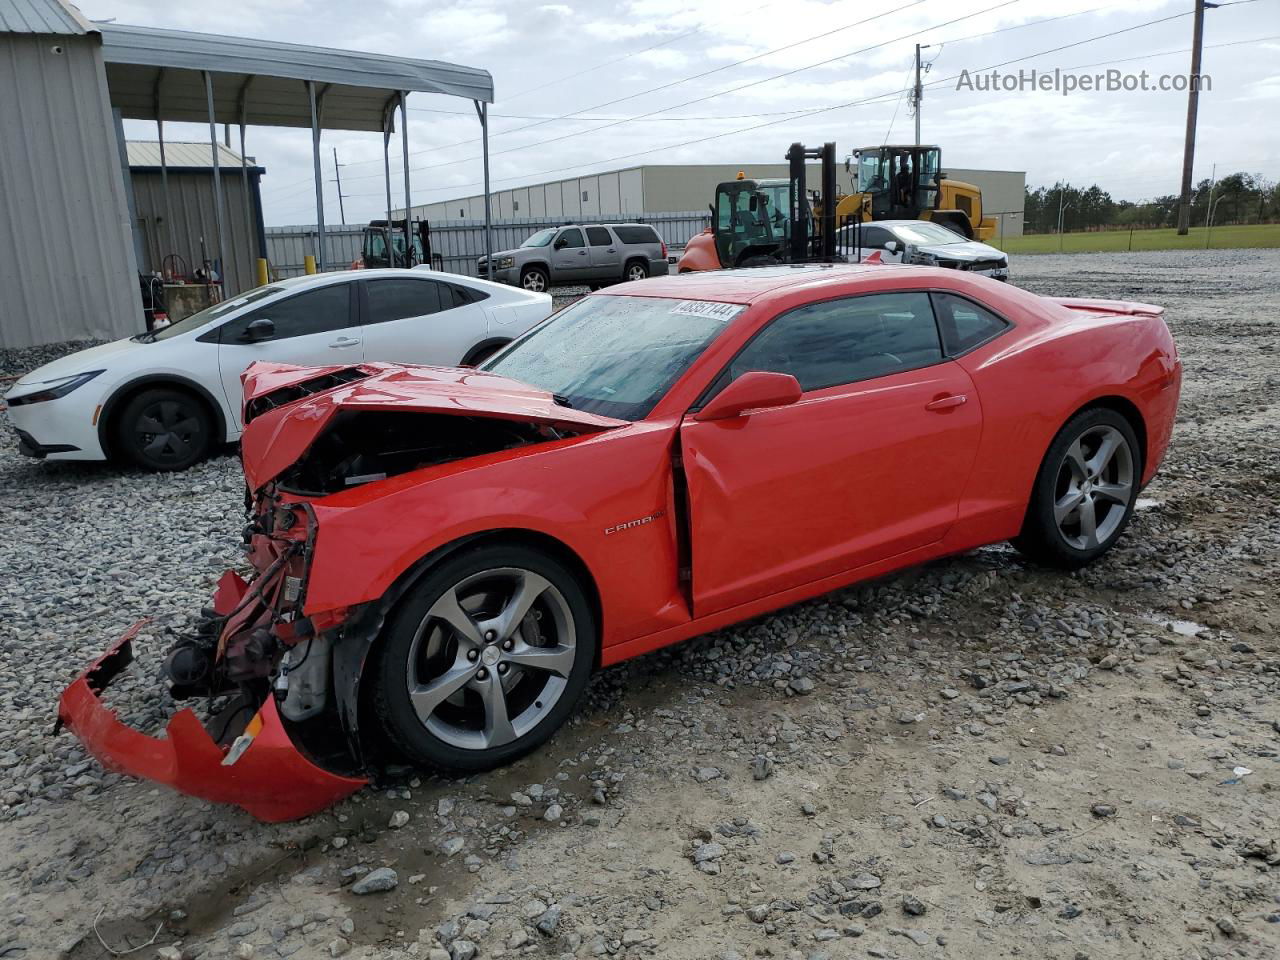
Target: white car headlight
{"type": "Point", "coordinates": [53, 389]}
{"type": "Point", "coordinates": [506, 263]}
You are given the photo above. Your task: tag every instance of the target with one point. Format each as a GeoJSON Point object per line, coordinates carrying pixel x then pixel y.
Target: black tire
{"type": "Point", "coordinates": [399, 651]}
{"type": "Point", "coordinates": [535, 279]}
{"type": "Point", "coordinates": [1054, 534]}
{"type": "Point", "coordinates": [481, 354]}
{"type": "Point", "coordinates": [164, 429]}
{"type": "Point", "coordinates": [635, 270]}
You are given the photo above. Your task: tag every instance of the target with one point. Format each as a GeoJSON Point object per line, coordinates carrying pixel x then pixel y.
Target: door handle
{"type": "Point", "coordinates": [582, 253]}
{"type": "Point", "coordinates": [611, 250]}
{"type": "Point", "coordinates": [947, 403]}
{"type": "Point", "coordinates": [343, 342]}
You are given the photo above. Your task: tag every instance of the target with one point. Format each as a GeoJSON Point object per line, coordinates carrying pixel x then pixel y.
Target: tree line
{"type": "Point", "coordinates": [1237, 198]}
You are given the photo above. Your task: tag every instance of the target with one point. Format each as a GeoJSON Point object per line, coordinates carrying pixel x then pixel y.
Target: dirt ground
{"type": "Point", "coordinates": [978, 758]}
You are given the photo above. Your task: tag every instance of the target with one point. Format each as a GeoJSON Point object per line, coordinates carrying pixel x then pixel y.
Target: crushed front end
{"type": "Point", "coordinates": [273, 745]}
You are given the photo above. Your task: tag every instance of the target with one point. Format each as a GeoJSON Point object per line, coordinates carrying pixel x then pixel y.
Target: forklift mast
{"type": "Point", "coordinates": [797, 154]}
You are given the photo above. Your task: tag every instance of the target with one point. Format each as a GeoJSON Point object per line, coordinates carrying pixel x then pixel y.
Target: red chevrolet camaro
{"type": "Point", "coordinates": [443, 556]}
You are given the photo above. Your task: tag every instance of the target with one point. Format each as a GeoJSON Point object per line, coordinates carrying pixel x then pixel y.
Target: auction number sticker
{"type": "Point", "coordinates": [724, 312]}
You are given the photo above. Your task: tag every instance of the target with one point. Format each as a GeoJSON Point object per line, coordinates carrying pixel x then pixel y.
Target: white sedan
{"type": "Point", "coordinates": [164, 399]}
{"type": "Point", "coordinates": [922, 242]}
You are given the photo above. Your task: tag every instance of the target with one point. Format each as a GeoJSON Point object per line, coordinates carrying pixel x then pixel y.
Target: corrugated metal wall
{"type": "Point", "coordinates": [288, 246]}
{"type": "Point", "coordinates": [192, 202]}
{"type": "Point", "coordinates": [67, 268]}
{"type": "Point", "coordinates": [459, 241]}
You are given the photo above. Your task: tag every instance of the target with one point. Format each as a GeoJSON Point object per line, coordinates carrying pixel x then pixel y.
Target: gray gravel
{"type": "Point", "coordinates": [977, 754]}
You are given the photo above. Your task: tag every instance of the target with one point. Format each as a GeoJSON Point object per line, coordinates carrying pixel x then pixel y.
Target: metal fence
{"type": "Point", "coordinates": [460, 242]}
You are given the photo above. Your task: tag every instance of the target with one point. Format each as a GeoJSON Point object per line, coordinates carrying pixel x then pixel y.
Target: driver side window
{"type": "Point", "coordinates": [315, 311]}
{"type": "Point", "coordinates": [569, 239]}
{"type": "Point", "coordinates": [844, 341]}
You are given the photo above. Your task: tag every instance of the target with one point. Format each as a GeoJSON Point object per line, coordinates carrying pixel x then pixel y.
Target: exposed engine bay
{"type": "Point", "coordinates": [365, 446]}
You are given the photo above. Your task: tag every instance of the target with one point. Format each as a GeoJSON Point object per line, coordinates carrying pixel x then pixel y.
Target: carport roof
{"type": "Point", "coordinates": [267, 79]}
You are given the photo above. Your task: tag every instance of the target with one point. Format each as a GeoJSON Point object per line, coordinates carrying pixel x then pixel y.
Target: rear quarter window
{"type": "Point", "coordinates": [637, 234]}
{"type": "Point", "coordinates": [964, 324]}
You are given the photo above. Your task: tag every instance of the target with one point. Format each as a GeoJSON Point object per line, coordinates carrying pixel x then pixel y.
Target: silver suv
{"type": "Point", "coordinates": [592, 254]}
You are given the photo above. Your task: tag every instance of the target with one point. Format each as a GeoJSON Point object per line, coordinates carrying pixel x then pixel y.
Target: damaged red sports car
{"type": "Point", "coordinates": [443, 556]}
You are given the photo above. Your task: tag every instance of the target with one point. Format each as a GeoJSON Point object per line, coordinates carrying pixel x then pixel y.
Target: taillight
{"type": "Point", "coordinates": [664, 249]}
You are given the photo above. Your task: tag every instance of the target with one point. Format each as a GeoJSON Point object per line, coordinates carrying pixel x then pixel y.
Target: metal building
{"type": "Point", "coordinates": [678, 188]}
{"type": "Point", "coordinates": [67, 264]}
{"type": "Point", "coordinates": [175, 228]}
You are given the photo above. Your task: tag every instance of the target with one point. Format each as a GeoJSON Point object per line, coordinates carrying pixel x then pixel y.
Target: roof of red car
{"type": "Point", "coordinates": [744, 286]}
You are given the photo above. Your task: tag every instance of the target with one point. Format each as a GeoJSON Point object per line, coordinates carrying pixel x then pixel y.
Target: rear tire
{"type": "Point", "coordinates": [164, 429]}
{"type": "Point", "coordinates": [636, 270]}
{"type": "Point", "coordinates": [482, 354]}
{"type": "Point", "coordinates": [1084, 493]}
{"type": "Point", "coordinates": [484, 659]}
{"type": "Point", "coordinates": [535, 280]}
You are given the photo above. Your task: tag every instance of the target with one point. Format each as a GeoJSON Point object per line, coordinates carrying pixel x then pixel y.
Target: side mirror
{"type": "Point", "coordinates": [751, 391]}
{"type": "Point", "coordinates": [892, 246]}
{"type": "Point", "coordinates": [561, 243]}
{"type": "Point", "coordinates": [260, 329]}
{"type": "Point", "coordinates": [754, 203]}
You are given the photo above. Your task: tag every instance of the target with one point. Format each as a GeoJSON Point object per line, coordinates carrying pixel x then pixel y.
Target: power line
{"type": "Point", "coordinates": [721, 93]}
{"type": "Point", "coordinates": [827, 109]}
{"type": "Point", "coordinates": [885, 97]}
{"type": "Point", "coordinates": [652, 116]}
{"type": "Point", "coordinates": [714, 70]}
{"type": "Point", "coordinates": [739, 116]}
{"type": "Point", "coordinates": [636, 53]}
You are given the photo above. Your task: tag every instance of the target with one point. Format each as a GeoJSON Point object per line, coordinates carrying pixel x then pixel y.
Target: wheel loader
{"type": "Point", "coordinates": [907, 183]}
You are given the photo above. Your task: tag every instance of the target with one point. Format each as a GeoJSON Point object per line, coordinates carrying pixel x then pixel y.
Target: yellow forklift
{"type": "Point", "coordinates": [758, 222]}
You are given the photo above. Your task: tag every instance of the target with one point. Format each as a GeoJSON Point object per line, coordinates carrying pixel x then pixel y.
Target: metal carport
{"type": "Point", "coordinates": [178, 75]}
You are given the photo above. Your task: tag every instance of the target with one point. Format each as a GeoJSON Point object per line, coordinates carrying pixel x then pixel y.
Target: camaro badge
{"type": "Point", "coordinates": [618, 528]}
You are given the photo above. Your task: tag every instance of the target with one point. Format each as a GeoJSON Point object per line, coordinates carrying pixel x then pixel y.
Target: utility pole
{"type": "Point", "coordinates": [917, 92]}
{"type": "Point", "coordinates": [1062, 193]}
{"type": "Point", "coordinates": [1193, 103]}
{"type": "Point", "coordinates": [337, 178]}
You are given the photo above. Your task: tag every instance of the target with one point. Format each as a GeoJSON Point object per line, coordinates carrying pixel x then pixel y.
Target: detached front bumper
{"type": "Point", "coordinates": [269, 778]}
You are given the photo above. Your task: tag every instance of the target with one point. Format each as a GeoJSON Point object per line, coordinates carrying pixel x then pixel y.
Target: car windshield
{"type": "Point", "coordinates": [612, 355]}
{"type": "Point", "coordinates": [923, 232]}
{"type": "Point", "coordinates": [198, 320]}
{"type": "Point", "coordinates": [540, 239]}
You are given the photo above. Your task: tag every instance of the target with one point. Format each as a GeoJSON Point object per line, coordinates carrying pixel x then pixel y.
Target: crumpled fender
{"type": "Point", "coordinates": [270, 779]}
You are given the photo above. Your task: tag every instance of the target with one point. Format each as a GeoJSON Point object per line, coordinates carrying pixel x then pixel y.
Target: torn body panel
{"type": "Point", "coordinates": [268, 776]}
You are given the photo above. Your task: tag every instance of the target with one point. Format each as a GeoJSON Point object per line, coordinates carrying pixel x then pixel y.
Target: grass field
{"type": "Point", "coordinates": [1260, 235]}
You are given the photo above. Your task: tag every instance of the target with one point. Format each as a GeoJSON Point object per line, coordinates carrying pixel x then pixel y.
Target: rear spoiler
{"type": "Point", "coordinates": [1123, 307]}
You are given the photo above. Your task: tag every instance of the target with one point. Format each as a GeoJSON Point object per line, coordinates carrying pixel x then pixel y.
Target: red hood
{"type": "Point", "coordinates": [276, 439]}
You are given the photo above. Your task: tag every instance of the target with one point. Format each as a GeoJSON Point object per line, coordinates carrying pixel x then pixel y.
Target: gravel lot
{"type": "Point", "coordinates": [976, 758]}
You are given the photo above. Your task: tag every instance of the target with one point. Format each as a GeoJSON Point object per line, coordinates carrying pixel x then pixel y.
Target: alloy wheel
{"type": "Point", "coordinates": [491, 658]}
{"type": "Point", "coordinates": [534, 281]}
{"type": "Point", "coordinates": [636, 272]}
{"type": "Point", "coordinates": [1093, 488]}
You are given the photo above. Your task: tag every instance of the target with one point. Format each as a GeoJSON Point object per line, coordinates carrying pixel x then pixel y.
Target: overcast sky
{"type": "Point", "coordinates": [585, 57]}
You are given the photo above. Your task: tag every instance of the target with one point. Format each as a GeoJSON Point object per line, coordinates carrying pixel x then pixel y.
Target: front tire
{"type": "Point", "coordinates": [535, 280]}
{"type": "Point", "coordinates": [164, 429]}
{"type": "Point", "coordinates": [484, 659]}
{"type": "Point", "coordinates": [1085, 491]}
